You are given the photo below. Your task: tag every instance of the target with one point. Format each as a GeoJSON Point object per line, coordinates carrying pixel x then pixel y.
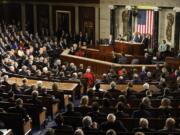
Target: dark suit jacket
{"type": "Point", "coordinates": [19, 110]}
{"type": "Point", "coordinates": [141, 113]}
{"type": "Point", "coordinates": [72, 114]}
{"type": "Point", "coordinates": [114, 92]}
{"type": "Point", "coordinates": [169, 130]}
{"type": "Point", "coordinates": [140, 129]}
{"type": "Point", "coordinates": [117, 126]}
{"type": "Point", "coordinates": [122, 114]}
{"type": "Point", "coordinates": [63, 127]}
{"type": "Point", "coordinates": [36, 102]}
{"type": "Point", "coordinates": [95, 115]}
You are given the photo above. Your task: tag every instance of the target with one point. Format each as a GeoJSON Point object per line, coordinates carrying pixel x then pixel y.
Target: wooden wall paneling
{"type": "Point", "coordinates": [11, 13]}
{"type": "Point", "coordinates": [70, 9]}
{"type": "Point", "coordinates": [43, 19]}
{"type": "Point", "coordinates": [29, 18]}
{"type": "Point", "coordinates": [87, 21]}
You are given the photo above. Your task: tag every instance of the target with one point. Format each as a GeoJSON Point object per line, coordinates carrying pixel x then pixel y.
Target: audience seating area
{"type": "Point", "coordinates": [91, 94]}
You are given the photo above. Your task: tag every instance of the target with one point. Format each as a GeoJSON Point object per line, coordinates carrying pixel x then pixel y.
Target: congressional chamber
{"type": "Point", "coordinates": [89, 67]}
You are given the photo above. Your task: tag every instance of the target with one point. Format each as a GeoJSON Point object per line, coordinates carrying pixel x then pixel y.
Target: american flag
{"type": "Point", "coordinates": [145, 21]}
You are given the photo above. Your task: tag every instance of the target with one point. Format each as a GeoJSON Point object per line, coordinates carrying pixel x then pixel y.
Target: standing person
{"type": "Point", "coordinates": [162, 49]}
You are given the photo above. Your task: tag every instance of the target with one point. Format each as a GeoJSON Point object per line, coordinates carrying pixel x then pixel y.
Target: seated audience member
{"type": "Point", "coordinates": [79, 132]}
{"type": "Point", "coordinates": [169, 126]}
{"type": "Point", "coordinates": [59, 120]}
{"type": "Point", "coordinates": [165, 103]}
{"type": "Point", "coordinates": [88, 124]}
{"type": "Point", "coordinates": [74, 77]}
{"type": "Point", "coordinates": [123, 99]}
{"type": "Point", "coordinates": [143, 73]}
{"type": "Point", "coordinates": [106, 106]}
{"type": "Point", "coordinates": [35, 99]}
{"type": "Point", "coordinates": [19, 109]}
{"type": "Point", "coordinates": [11, 96]}
{"type": "Point", "coordinates": [104, 78]}
{"type": "Point", "coordinates": [166, 94]}
{"type": "Point", "coordinates": [149, 77]}
{"type": "Point", "coordinates": [135, 61]}
{"type": "Point", "coordinates": [7, 86]}
{"type": "Point", "coordinates": [16, 89]}
{"type": "Point", "coordinates": [70, 111]}
{"type": "Point", "coordinates": [147, 58]}
{"type": "Point", "coordinates": [129, 92]}
{"type": "Point", "coordinates": [84, 105]}
{"type": "Point", "coordinates": [136, 78]}
{"type": "Point", "coordinates": [141, 112]}
{"type": "Point", "coordinates": [143, 126]}
{"type": "Point", "coordinates": [122, 59]}
{"type": "Point", "coordinates": [146, 101]}
{"type": "Point", "coordinates": [91, 95]}
{"type": "Point", "coordinates": [95, 114]}
{"type": "Point", "coordinates": [112, 123]}
{"type": "Point", "coordinates": [24, 85]}
{"type": "Point", "coordinates": [111, 132]}
{"type": "Point", "coordinates": [120, 111]}
{"type": "Point", "coordinates": [30, 90]}
{"type": "Point", "coordinates": [113, 91]}
{"type": "Point", "coordinates": [39, 87]}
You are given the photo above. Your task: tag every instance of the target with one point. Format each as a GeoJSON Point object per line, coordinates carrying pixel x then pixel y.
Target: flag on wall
{"type": "Point", "coordinates": [145, 21]}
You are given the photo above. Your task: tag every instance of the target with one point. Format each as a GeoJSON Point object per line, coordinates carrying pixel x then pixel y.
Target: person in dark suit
{"type": "Point", "coordinates": [113, 91]}
{"type": "Point", "coordinates": [143, 126]}
{"type": "Point", "coordinates": [145, 40]}
{"type": "Point", "coordinates": [88, 125]}
{"type": "Point", "coordinates": [19, 109]}
{"type": "Point", "coordinates": [5, 84]}
{"type": "Point", "coordinates": [95, 114]}
{"type": "Point", "coordinates": [11, 97]}
{"type": "Point", "coordinates": [80, 38]}
{"type": "Point", "coordinates": [141, 112]}
{"type": "Point", "coordinates": [70, 111]}
{"type": "Point", "coordinates": [120, 111]}
{"type": "Point", "coordinates": [111, 123]}
{"type": "Point", "coordinates": [29, 90]}
{"type": "Point", "coordinates": [59, 120]}
{"type": "Point", "coordinates": [35, 99]}
{"type": "Point", "coordinates": [24, 85]}
{"type": "Point", "coordinates": [169, 126]}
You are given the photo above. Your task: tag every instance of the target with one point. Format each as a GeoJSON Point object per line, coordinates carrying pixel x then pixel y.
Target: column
{"type": "Point", "coordinates": [50, 20]}
{"type": "Point", "coordinates": [156, 29]}
{"type": "Point", "coordinates": [77, 19]}
{"type": "Point", "coordinates": [23, 16]}
{"type": "Point", "coordinates": [96, 24]}
{"type": "Point", "coordinates": [112, 22]}
{"type": "Point", "coordinates": [177, 30]}
{"type": "Point", "coordinates": [35, 18]}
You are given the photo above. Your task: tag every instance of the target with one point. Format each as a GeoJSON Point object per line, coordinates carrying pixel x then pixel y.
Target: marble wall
{"type": "Point", "coordinates": [166, 6]}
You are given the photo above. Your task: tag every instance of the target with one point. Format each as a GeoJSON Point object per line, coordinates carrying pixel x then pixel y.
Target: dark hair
{"type": "Point", "coordinates": [95, 106]}
{"type": "Point", "coordinates": [70, 106]}
{"type": "Point", "coordinates": [106, 102]}
{"type": "Point", "coordinates": [120, 106]}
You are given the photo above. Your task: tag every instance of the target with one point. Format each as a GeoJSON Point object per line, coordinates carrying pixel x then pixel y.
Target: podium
{"type": "Point", "coordinates": [131, 48]}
